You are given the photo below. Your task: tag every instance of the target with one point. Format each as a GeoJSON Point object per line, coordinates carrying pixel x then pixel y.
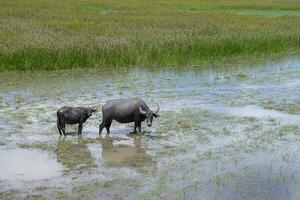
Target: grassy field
{"type": "Point", "coordinates": [49, 34]}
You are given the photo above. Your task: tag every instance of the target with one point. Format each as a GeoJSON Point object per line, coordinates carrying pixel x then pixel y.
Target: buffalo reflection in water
{"type": "Point", "coordinates": [120, 155]}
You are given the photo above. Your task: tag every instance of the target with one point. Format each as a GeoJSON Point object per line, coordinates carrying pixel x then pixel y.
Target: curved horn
{"type": "Point", "coordinates": [157, 110]}
{"type": "Point", "coordinates": [142, 111]}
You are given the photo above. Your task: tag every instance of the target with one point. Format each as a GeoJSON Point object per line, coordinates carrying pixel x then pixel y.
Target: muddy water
{"type": "Point", "coordinates": [224, 132]}
{"type": "Point", "coordinates": [21, 164]}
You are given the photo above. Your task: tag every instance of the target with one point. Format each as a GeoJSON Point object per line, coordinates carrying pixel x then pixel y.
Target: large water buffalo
{"type": "Point", "coordinates": [126, 111]}
{"type": "Point", "coordinates": [73, 115]}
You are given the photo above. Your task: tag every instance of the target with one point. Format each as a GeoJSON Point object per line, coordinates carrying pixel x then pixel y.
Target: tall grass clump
{"type": "Point", "coordinates": [38, 34]}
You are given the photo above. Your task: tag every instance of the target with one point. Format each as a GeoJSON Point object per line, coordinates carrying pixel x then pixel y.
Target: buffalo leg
{"type": "Point", "coordinates": [63, 126]}
{"type": "Point", "coordinates": [108, 126]}
{"type": "Point", "coordinates": [58, 126]}
{"type": "Point", "coordinates": [140, 127]}
{"type": "Point", "coordinates": [137, 125]}
{"type": "Point", "coordinates": [79, 128]}
{"type": "Point", "coordinates": [101, 127]}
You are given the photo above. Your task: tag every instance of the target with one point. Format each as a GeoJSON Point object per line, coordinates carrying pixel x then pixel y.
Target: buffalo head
{"type": "Point", "coordinates": [149, 115]}
{"type": "Point", "coordinates": [90, 111]}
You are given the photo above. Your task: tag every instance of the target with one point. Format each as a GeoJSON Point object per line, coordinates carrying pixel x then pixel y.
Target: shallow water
{"type": "Point", "coordinates": [265, 12]}
{"type": "Point", "coordinates": [256, 112]}
{"type": "Point", "coordinates": [224, 132]}
{"type": "Point", "coordinates": [22, 164]}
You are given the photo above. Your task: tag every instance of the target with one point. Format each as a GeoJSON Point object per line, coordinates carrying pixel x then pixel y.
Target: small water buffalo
{"type": "Point", "coordinates": [126, 111]}
{"type": "Point", "coordinates": [73, 115]}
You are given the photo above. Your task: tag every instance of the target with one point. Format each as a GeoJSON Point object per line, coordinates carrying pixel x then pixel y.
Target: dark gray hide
{"type": "Point", "coordinates": [72, 115]}
{"type": "Point", "coordinates": [126, 111]}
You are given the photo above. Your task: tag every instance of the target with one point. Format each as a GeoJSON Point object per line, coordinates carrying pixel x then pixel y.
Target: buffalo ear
{"type": "Point", "coordinates": [156, 115]}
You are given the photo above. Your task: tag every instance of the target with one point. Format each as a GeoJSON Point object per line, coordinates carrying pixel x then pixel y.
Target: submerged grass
{"type": "Point", "coordinates": [39, 34]}
{"type": "Point", "coordinates": [74, 156]}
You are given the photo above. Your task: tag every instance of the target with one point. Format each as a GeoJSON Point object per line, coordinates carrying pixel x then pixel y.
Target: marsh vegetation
{"type": "Point", "coordinates": [39, 34]}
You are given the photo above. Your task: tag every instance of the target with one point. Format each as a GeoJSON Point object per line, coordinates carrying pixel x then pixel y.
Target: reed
{"type": "Point", "coordinates": [46, 34]}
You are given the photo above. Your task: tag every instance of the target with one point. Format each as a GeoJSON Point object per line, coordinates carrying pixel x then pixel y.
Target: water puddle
{"type": "Point", "coordinates": [254, 111]}
{"type": "Point", "coordinates": [23, 164]}
{"type": "Point", "coordinates": [268, 13]}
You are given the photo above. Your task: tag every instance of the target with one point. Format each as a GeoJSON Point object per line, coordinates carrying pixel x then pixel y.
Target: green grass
{"type": "Point", "coordinates": [46, 34]}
